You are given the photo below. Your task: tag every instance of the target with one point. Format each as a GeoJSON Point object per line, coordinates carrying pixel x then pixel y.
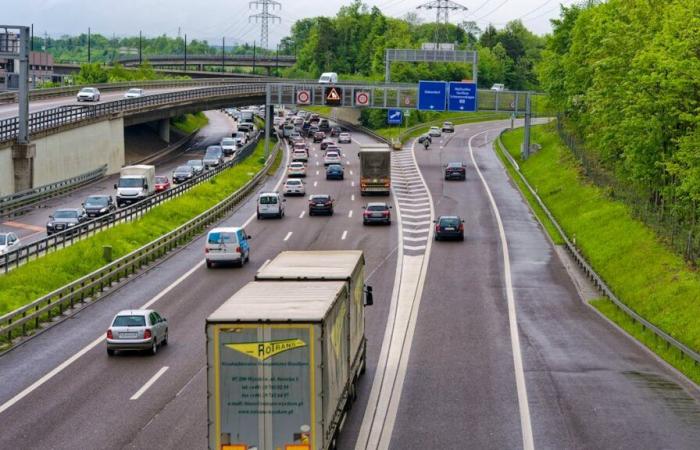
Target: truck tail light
{"type": "Point", "coordinates": [147, 334]}
{"type": "Point", "coordinates": [109, 334]}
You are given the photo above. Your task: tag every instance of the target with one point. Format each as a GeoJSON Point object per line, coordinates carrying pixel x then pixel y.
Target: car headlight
{"type": "Point", "coordinates": [104, 210]}
{"type": "Point", "coordinates": [70, 224]}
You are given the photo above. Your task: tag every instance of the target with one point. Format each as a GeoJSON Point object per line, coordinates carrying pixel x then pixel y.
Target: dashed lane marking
{"type": "Point", "coordinates": [345, 234]}
{"type": "Point", "coordinates": [149, 383]}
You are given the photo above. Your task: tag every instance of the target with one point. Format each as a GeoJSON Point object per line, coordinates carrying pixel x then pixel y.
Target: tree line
{"type": "Point", "coordinates": [625, 76]}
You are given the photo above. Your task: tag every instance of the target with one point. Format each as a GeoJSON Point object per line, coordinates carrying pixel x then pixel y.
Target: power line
{"type": "Point", "coordinates": [492, 11]}
{"type": "Point", "coordinates": [264, 17]}
{"type": "Point", "coordinates": [443, 8]}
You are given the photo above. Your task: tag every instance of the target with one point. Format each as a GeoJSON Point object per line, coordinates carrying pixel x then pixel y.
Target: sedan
{"type": "Point", "coordinates": [455, 171]}
{"type": "Point", "coordinates": [331, 158]}
{"type": "Point", "coordinates": [377, 212]}
{"type": "Point", "coordinates": [448, 127]}
{"type": "Point", "coordinates": [139, 329]}
{"type": "Point", "coordinates": [182, 174]}
{"type": "Point", "coordinates": [296, 169]}
{"type": "Point", "coordinates": [434, 132]}
{"type": "Point", "coordinates": [197, 165]}
{"type": "Point", "coordinates": [65, 219]}
{"type": "Point", "coordinates": [319, 136]}
{"type": "Point", "coordinates": [134, 93]}
{"type": "Point", "coordinates": [9, 242]}
{"type": "Point", "coordinates": [344, 138]}
{"type": "Point", "coordinates": [99, 205]}
{"type": "Point", "coordinates": [335, 172]}
{"type": "Point", "coordinates": [449, 227]}
{"type": "Point", "coordinates": [326, 142]}
{"type": "Point", "coordinates": [335, 131]}
{"type": "Point", "coordinates": [162, 183]}
{"type": "Point", "coordinates": [320, 204]}
{"type": "Point", "coordinates": [89, 94]}
{"type": "Point", "coordinates": [294, 187]}
{"type": "Point", "coordinates": [213, 156]}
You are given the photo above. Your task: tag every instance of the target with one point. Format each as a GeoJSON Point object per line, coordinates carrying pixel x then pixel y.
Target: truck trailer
{"type": "Point", "coordinates": [375, 169]}
{"type": "Point", "coordinates": [285, 352]}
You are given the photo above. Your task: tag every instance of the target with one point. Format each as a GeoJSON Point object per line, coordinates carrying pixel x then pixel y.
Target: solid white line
{"type": "Point", "coordinates": [149, 383]}
{"type": "Point", "coordinates": [350, 213]}
{"type": "Point", "coordinates": [523, 405]}
{"type": "Point", "coordinates": [345, 234]}
{"type": "Point", "coordinates": [286, 238]}
{"type": "Point", "coordinates": [301, 216]}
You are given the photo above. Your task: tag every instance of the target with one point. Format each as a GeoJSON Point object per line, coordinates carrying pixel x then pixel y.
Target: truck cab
{"type": "Point", "coordinates": [135, 184]}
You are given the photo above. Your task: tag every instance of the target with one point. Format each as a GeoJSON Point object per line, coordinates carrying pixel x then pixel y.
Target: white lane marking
{"type": "Point", "coordinates": [318, 163]}
{"type": "Point", "coordinates": [415, 224]}
{"type": "Point", "coordinates": [351, 172]}
{"type": "Point", "coordinates": [410, 247]}
{"type": "Point", "coordinates": [419, 230]}
{"type": "Point", "coordinates": [415, 239]}
{"type": "Point", "coordinates": [301, 216]}
{"type": "Point", "coordinates": [419, 216]}
{"type": "Point", "coordinates": [352, 198]}
{"type": "Point", "coordinates": [149, 383]}
{"type": "Point", "coordinates": [264, 264]}
{"type": "Point", "coordinates": [350, 213]}
{"type": "Point", "coordinates": [523, 405]}
{"type": "Point", "coordinates": [318, 172]}
{"type": "Point", "coordinates": [315, 183]}
{"type": "Point", "coordinates": [345, 234]}
{"type": "Point", "coordinates": [286, 238]}
{"type": "Point", "coordinates": [415, 210]}
{"type": "Point", "coordinates": [352, 183]}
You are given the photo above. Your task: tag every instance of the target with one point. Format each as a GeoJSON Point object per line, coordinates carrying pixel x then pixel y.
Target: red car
{"type": "Point", "coordinates": [162, 184]}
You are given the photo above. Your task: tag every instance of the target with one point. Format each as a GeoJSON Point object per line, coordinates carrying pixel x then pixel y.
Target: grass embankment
{"type": "Point", "coordinates": [189, 123]}
{"type": "Point", "coordinates": [52, 271]}
{"type": "Point", "coordinates": [391, 132]}
{"type": "Point", "coordinates": [643, 273]}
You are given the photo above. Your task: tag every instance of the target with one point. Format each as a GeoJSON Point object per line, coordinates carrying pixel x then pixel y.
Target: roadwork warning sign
{"type": "Point", "coordinates": [334, 96]}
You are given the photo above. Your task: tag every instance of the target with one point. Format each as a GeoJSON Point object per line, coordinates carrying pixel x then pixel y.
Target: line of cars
{"type": "Point", "coordinates": [92, 94]}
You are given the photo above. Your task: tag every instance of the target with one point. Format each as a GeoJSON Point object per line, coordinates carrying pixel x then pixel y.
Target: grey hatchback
{"type": "Point", "coordinates": [137, 329]}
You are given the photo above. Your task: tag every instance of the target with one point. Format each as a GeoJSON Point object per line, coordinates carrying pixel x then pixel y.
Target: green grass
{"type": "Point", "coordinates": [455, 118]}
{"type": "Point", "coordinates": [647, 276]}
{"type": "Point", "coordinates": [321, 110]}
{"type": "Point", "coordinates": [54, 270]}
{"type": "Point", "coordinates": [189, 123]}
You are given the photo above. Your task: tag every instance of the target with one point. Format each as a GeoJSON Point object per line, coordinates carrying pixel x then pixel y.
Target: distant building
{"type": "Point", "coordinates": [40, 66]}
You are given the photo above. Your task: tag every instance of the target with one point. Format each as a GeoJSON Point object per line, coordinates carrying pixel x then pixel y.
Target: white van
{"type": "Point", "coordinates": [498, 87]}
{"type": "Point", "coordinates": [227, 245]}
{"type": "Point", "coordinates": [328, 78]}
{"type": "Point", "coordinates": [270, 204]}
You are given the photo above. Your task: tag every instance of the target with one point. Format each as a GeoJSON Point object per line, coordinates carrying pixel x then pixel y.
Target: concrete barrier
{"type": "Point", "coordinates": [7, 172]}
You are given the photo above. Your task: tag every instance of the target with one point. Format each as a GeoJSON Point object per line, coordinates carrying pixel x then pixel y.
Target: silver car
{"type": "Point", "coordinates": [137, 329]}
{"type": "Point", "coordinates": [9, 242]}
{"type": "Point", "coordinates": [89, 94]}
{"type": "Point", "coordinates": [197, 165]}
{"type": "Point", "coordinates": [213, 156]}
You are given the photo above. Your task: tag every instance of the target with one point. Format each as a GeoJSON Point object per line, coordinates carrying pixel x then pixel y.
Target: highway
{"type": "Point", "coordinates": [466, 348]}
{"type": "Point", "coordinates": [31, 227]}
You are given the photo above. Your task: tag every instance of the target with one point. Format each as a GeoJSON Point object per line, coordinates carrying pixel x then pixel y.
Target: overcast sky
{"type": "Point", "coordinates": [212, 19]}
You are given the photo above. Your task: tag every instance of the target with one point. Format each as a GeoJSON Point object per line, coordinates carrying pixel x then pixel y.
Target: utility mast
{"type": "Point", "coordinates": [264, 17]}
{"type": "Point", "coordinates": [443, 8]}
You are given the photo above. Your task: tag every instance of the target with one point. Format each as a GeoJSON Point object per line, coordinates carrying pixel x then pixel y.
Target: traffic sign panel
{"type": "Point", "coordinates": [303, 97]}
{"type": "Point", "coordinates": [462, 97]}
{"type": "Point", "coordinates": [361, 98]}
{"type": "Point", "coordinates": [432, 95]}
{"type": "Point", "coordinates": [334, 96]}
{"type": "Point", "coordinates": [394, 117]}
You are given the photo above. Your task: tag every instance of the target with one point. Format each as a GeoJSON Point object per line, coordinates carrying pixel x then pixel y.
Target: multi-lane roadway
{"type": "Point", "coordinates": [467, 348]}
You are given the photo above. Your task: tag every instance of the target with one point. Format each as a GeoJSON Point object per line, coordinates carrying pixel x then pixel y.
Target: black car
{"type": "Point", "coordinates": [335, 172]}
{"type": "Point", "coordinates": [182, 174]}
{"type": "Point", "coordinates": [324, 126]}
{"type": "Point", "coordinates": [335, 131]}
{"type": "Point", "coordinates": [319, 136]}
{"type": "Point", "coordinates": [449, 227]}
{"type": "Point", "coordinates": [65, 219]}
{"type": "Point", "coordinates": [99, 205]}
{"type": "Point", "coordinates": [455, 171]}
{"type": "Point", "coordinates": [320, 204]}
{"type": "Point", "coordinates": [378, 212]}
{"type": "Point", "coordinates": [312, 130]}
{"type": "Point", "coordinates": [425, 137]}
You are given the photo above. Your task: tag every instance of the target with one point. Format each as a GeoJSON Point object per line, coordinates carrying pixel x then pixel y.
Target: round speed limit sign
{"type": "Point", "coordinates": [362, 98]}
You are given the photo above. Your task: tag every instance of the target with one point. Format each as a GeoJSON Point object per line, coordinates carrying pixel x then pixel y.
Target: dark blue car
{"type": "Point", "coordinates": [335, 172]}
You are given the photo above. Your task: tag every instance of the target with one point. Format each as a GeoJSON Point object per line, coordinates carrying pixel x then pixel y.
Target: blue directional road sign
{"type": "Point", "coordinates": [394, 117]}
{"type": "Point", "coordinates": [432, 95]}
{"type": "Point", "coordinates": [462, 97]}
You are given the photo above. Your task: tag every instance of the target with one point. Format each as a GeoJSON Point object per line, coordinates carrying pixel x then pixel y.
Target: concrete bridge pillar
{"type": "Point", "coordinates": [23, 162]}
{"type": "Point", "coordinates": [164, 130]}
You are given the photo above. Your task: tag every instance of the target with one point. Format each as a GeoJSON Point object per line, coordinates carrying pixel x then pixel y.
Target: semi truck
{"type": "Point", "coordinates": [285, 352]}
{"type": "Point", "coordinates": [375, 169]}
{"type": "Point", "coordinates": [135, 184]}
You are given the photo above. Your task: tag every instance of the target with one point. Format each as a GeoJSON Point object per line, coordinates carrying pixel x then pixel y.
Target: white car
{"type": "Point", "coordinates": [300, 155]}
{"type": "Point", "coordinates": [435, 132]}
{"type": "Point", "coordinates": [294, 186]}
{"type": "Point", "coordinates": [9, 242]}
{"type": "Point", "coordinates": [344, 138]}
{"type": "Point", "coordinates": [89, 94]}
{"type": "Point", "coordinates": [498, 87]}
{"type": "Point", "coordinates": [332, 158]}
{"type": "Point", "coordinates": [228, 145]}
{"type": "Point", "coordinates": [240, 138]}
{"type": "Point", "coordinates": [134, 93]}
{"type": "Point", "coordinates": [270, 204]}
{"type": "Point", "coordinates": [296, 169]}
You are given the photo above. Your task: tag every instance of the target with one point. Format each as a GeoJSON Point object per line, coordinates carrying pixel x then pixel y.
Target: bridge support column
{"type": "Point", "coordinates": [164, 130]}
{"type": "Point", "coordinates": [23, 162]}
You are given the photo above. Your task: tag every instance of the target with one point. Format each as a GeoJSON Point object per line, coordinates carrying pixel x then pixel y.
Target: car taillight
{"type": "Point", "coordinates": [109, 334]}
{"type": "Point", "coordinates": [437, 228]}
{"type": "Point", "coordinates": [206, 249]}
{"type": "Point", "coordinates": [238, 250]}
{"type": "Point", "coordinates": [461, 227]}
{"type": "Point", "coordinates": [147, 334]}
{"type": "Point", "coordinates": [366, 214]}
{"type": "Point", "coordinates": [386, 213]}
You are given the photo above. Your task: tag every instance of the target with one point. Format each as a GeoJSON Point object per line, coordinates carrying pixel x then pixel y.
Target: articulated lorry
{"type": "Point", "coordinates": [285, 352]}
{"type": "Point", "coordinates": [135, 184]}
{"type": "Point", "coordinates": [375, 169]}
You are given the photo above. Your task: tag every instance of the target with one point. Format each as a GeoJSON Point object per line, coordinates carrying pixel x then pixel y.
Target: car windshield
{"type": "Point", "coordinates": [183, 169]}
{"type": "Point", "coordinates": [320, 198]}
{"type": "Point", "coordinates": [449, 222]}
{"type": "Point", "coordinates": [454, 165]}
{"type": "Point", "coordinates": [87, 90]}
{"type": "Point", "coordinates": [134, 91]}
{"type": "Point", "coordinates": [335, 167]}
{"type": "Point", "coordinates": [227, 141]}
{"type": "Point", "coordinates": [161, 180]}
{"type": "Point", "coordinates": [130, 182]}
{"type": "Point", "coordinates": [293, 182]}
{"type": "Point", "coordinates": [3, 239]}
{"type": "Point", "coordinates": [268, 200]}
{"type": "Point", "coordinates": [219, 237]}
{"type": "Point", "coordinates": [376, 207]}
{"type": "Point", "coordinates": [212, 153]}
{"type": "Point", "coordinates": [331, 155]}
{"type": "Point", "coordinates": [96, 201]}
{"type": "Point", "coordinates": [65, 214]}
{"type": "Point", "coordinates": [129, 321]}
{"type": "Point", "coordinates": [195, 162]}
{"type": "Point", "coordinates": [296, 166]}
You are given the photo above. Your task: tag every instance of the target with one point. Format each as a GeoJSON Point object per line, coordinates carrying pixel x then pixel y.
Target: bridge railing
{"type": "Point", "coordinates": [213, 58]}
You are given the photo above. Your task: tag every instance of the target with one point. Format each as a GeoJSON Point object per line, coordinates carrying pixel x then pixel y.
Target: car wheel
{"type": "Point", "coordinates": [331, 213]}
{"type": "Point", "coordinates": [110, 352]}
{"type": "Point", "coordinates": [154, 347]}
{"type": "Point", "coordinates": [258, 216]}
{"type": "Point", "coordinates": [165, 339]}
{"type": "Point", "coordinates": [388, 222]}
{"type": "Point", "coordinates": [247, 257]}
{"type": "Point", "coordinates": [461, 238]}
{"type": "Point", "coordinates": [437, 238]}
{"type": "Point", "coordinates": [209, 264]}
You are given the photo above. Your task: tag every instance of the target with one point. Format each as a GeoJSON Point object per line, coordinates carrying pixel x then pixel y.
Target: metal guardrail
{"type": "Point", "coordinates": [57, 117]}
{"type": "Point", "coordinates": [196, 59]}
{"type": "Point", "coordinates": [21, 321]}
{"type": "Point", "coordinates": [19, 202]}
{"type": "Point", "coordinates": [67, 237]}
{"type": "Point", "coordinates": [670, 341]}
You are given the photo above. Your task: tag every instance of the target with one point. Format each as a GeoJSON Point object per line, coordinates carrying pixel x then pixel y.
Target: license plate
{"type": "Point", "coordinates": [91, 215]}
{"type": "Point", "coordinates": [449, 229]}
{"type": "Point", "coordinates": [377, 215]}
{"type": "Point", "coordinates": [128, 335]}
